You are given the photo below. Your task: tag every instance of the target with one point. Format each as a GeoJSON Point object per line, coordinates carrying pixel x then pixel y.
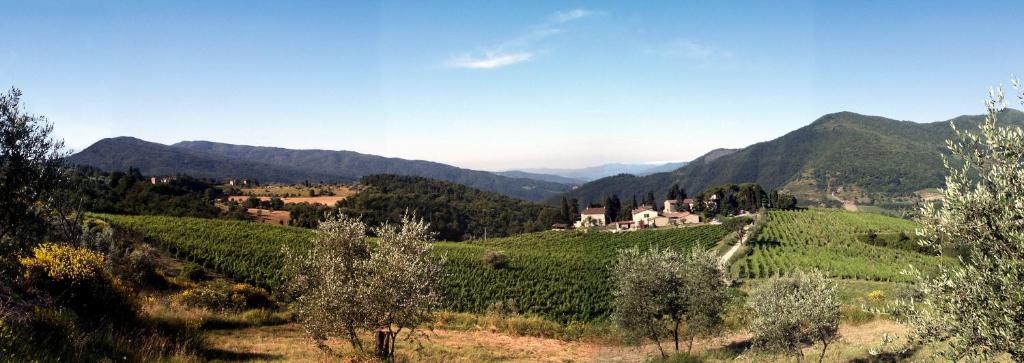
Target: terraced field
{"type": "Point", "coordinates": [828, 240]}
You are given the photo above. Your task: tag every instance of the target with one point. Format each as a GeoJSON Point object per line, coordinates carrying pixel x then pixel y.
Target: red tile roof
{"type": "Point", "coordinates": [591, 211]}
{"type": "Point", "coordinates": [642, 208]}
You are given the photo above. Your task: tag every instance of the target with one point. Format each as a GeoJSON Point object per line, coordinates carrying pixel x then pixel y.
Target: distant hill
{"type": "Point", "coordinates": [455, 212]}
{"type": "Point", "coordinates": [600, 171]}
{"type": "Point", "coordinates": [119, 153]}
{"type": "Point", "coordinates": [542, 177]}
{"type": "Point", "coordinates": [840, 151]}
{"type": "Point", "coordinates": [269, 164]}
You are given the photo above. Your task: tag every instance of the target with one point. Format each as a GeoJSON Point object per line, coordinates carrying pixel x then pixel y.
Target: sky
{"type": "Point", "coordinates": [498, 85]}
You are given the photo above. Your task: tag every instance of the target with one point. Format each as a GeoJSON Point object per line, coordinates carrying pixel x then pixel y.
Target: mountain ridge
{"type": "Point", "coordinates": [221, 161]}
{"type": "Point", "coordinates": [870, 154]}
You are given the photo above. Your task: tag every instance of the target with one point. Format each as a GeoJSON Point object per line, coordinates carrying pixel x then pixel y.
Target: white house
{"type": "Point", "coordinates": [591, 217]}
{"type": "Point", "coordinates": [644, 215]}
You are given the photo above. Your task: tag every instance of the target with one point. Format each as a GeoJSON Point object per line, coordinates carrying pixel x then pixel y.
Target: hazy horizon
{"type": "Point", "coordinates": [497, 86]}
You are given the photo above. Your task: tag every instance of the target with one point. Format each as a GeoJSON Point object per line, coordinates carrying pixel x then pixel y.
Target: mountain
{"type": "Point", "coordinates": [216, 160]}
{"type": "Point", "coordinates": [542, 177]}
{"type": "Point", "coordinates": [120, 153]}
{"type": "Point", "coordinates": [839, 152]}
{"type": "Point", "coordinates": [600, 171]}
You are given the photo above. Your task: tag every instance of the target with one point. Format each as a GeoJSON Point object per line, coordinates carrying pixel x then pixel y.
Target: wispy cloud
{"type": "Point", "coordinates": [570, 15]}
{"type": "Point", "coordinates": [489, 61]}
{"type": "Point", "coordinates": [518, 49]}
{"type": "Point", "coordinates": [691, 50]}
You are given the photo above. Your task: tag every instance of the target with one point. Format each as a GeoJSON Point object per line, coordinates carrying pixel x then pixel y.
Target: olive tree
{"type": "Point", "coordinates": [329, 283]}
{"type": "Point", "coordinates": [31, 175]}
{"type": "Point", "coordinates": [658, 292]}
{"type": "Point", "coordinates": [404, 288]}
{"type": "Point", "coordinates": [977, 307]}
{"type": "Point", "coordinates": [342, 286]}
{"type": "Point", "coordinates": [786, 312]}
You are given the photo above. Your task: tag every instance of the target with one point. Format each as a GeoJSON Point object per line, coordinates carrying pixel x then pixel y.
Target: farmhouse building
{"type": "Point", "coordinates": [592, 217]}
{"type": "Point", "coordinates": [644, 215]}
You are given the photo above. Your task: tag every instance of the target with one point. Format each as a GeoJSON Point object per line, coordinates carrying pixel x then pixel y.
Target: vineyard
{"type": "Point", "coordinates": [561, 275]}
{"type": "Point", "coordinates": [830, 241]}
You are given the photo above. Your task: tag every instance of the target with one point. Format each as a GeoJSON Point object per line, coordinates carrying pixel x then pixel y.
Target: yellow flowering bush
{"type": "Point", "coordinates": [224, 296]}
{"type": "Point", "coordinates": [63, 263]}
{"type": "Point", "coordinates": [76, 277]}
{"type": "Point", "coordinates": [876, 295]}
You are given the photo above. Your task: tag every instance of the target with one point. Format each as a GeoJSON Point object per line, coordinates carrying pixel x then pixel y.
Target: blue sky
{"type": "Point", "coordinates": [498, 85]}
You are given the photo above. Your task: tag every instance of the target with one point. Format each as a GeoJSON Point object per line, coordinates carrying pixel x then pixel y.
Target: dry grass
{"type": "Point", "coordinates": [289, 343]}
{"type": "Point", "coordinates": [280, 217]}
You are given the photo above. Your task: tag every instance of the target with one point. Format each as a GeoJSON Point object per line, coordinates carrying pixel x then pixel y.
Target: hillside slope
{"type": "Point", "coordinates": [351, 164]}
{"type": "Point", "coordinates": [840, 150]}
{"type": "Point", "coordinates": [120, 153]}
{"type": "Point", "coordinates": [221, 161]}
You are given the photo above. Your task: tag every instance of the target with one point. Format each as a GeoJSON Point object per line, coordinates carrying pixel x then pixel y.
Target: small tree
{"type": "Point", "coordinates": [31, 176]}
{"type": "Point", "coordinates": [704, 299]}
{"type": "Point", "coordinates": [786, 312]}
{"type": "Point", "coordinates": [661, 292]}
{"type": "Point", "coordinates": [340, 286]}
{"type": "Point", "coordinates": [643, 283]}
{"type": "Point", "coordinates": [329, 282]}
{"type": "Point", "coordinates": [404, 287]}
{"type": "Point", "coordinates": [977, 308]}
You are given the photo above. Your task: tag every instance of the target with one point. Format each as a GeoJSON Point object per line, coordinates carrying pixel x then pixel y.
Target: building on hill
{"type": "Point", "coordinates": [559, 227]}
{"type": "Point", "coordinates": [676, 218]}
{"type": "Point", "coordinates": [644, 216]}
{"type": "Point", "coordinates": [592, 217]}
{"type": "Point", "coordinates": [674, 206]}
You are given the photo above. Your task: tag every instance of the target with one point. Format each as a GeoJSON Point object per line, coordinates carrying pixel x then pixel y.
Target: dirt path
{"type": "Point", "coordinates": [728, 254]}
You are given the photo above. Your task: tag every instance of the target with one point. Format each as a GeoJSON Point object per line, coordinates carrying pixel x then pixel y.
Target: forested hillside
{"type": "Point", "coordinates": [454, 211]}
{"type": "Point", "coordinates": [205, 159]}
{"type": "Point", "coordinates": [867, 153]}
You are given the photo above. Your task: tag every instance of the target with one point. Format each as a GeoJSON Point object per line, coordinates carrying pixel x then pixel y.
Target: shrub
{"type": "Point", "coordinates": [876, 295]}
{"type": "Point", "coordinates": [193, 272]}
{"type": "Point", "coordinates": [496, 259]}
{"type": "Point", "coordinates": [76, 278]}
{"type": "Point", "coordinates": [224, 296]}
{"type": "Point", "coordinates": [503, 308]}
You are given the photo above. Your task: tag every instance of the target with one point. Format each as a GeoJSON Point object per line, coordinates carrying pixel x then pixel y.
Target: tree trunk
{"type": "Point", "coordinates": [675, 335]}
{"type": "Point", "coordinates": [689, 348]}
{"type": "Point", "coordinates": [821, 357]}
{"type": "Point", "coordinates": [383, 348]}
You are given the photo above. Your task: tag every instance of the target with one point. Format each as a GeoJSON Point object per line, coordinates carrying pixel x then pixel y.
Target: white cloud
{"type": "Point", "coordinates": [517, 49]}
{"type": "Point", "coordinates": [574, 14]}
{"type": "Point", "coordinates": [489, 61]}
{"type": "Point", "coordinates": [691, 50]}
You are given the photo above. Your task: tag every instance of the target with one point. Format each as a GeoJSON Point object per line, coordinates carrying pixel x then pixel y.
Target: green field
{"type": "Point", "coordinates": [831, 241]}
{"type": "Point", "coordinates": [561, 275]}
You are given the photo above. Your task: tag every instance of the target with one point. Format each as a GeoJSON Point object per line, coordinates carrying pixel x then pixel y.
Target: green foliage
{"type": "Point", "coordinates": [560, 275]}
{"type": "Point", "coordinates": [223, 296]}
{"type": "Point", "coordinates": [786, 312]}
{"type": "Point", "coordinates": [828, 241]}
{"type": "Point", "coordinates": [193, 272]}
{"type": "Point", "coordinates": [31, 177]}
{"type": "Point", "coordinates": [977, 308]}
{"type": "Point", "coordinates": [77, 279]}
{"type": "Point", "coordinates": [132, 193]}
{"type": "Point", "coordinates": [661, 288]}
{"type": "Point", "coordinates": [496, 259]}
{"type": "Point", "coordinates": [454, 211]}
{"type": "Point", "coordinates": [870, 153]}
{"type": "Point", "coordinates": [205, 159]}
{"type": "Point", "coordinates": [246, 251]}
